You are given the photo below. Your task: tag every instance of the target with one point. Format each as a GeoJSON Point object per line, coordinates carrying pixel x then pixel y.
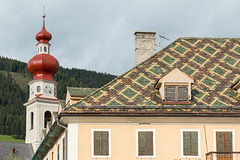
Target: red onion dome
{"type": "Point", "coordinates": [43, 66]}
{"type": "Point", "coordinates": [43, 36]}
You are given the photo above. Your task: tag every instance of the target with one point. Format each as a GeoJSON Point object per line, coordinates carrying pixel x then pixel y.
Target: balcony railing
{"type": "Point", "coordinates": [223, 156]}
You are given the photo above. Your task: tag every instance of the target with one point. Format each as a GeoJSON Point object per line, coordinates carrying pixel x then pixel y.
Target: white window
{"type": "Point", "coordinates": [101, 143]}
{"type": "Point", "coordinates": [145, 143]}
{"type": "Point", "coordinates": [190, 143]}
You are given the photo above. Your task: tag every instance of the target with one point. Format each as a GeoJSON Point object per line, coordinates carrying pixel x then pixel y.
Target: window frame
{"type": "Point", "coordinates": [109, 143]}
{"type": "Point", "coordinates": [182, 142]}
{"type": "Point", "coordinates": [176, 93]}
{"type": "Point", "coordinates": [224, 130]}
{"type": "Point", "coordinates": [154, 143]}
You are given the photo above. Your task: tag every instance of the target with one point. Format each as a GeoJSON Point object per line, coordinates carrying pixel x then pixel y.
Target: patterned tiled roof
{"type": "Point", "coordinates": [74, 91]}
{"type": "Point", "coordinates": [211, 62]}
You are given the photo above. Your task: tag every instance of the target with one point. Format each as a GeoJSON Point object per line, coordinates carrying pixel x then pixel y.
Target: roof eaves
{"type": "Point", "coordinates": [154, 110]}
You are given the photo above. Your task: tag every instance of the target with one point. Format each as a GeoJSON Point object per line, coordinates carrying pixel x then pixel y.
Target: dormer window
{"type": "Point", "coordinates": [176, 93]}
{"type": "Point", "coordinates": [175, 87]}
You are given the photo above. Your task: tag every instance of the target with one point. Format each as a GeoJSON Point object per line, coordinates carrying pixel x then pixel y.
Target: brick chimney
{"type": "Point", "coordinates": [144, 45]}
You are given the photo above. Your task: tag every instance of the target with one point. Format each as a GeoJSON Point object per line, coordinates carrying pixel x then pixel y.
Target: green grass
{"type": "Point", "coordinates": [6, 138]}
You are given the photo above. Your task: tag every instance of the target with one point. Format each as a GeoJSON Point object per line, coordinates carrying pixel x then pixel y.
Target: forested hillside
{"type": "Point", "coordinates": [14, 91]}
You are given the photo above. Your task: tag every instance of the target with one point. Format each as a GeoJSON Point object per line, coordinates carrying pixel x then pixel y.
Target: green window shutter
{"type": "Point", "coordinates": [190, 143]}
{"type": "Point", "coordinates": [170, 93]}
{"type": "Point", "coordinates": [104, 143]}
{"type": "Point", "coordinates": [182, 93]}
{"type": "Point", "coordinates": [194, 143]}
{"type": "Point", "coordinates": [186, 143]}
{"type": "Point", "coordinates": [97, 143]}
{"type": "Point", "coordinates": [228, 141]}
{"type": "Point", "coordinates": [101, 143]}
{"type": "Point", "coordinates": [220, 141]}
{"type": "Point", "coordinates": [145, 143]}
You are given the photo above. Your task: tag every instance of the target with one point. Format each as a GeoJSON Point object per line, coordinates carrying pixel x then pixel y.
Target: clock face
{"type": "Point", "coordinates": [48, 89]}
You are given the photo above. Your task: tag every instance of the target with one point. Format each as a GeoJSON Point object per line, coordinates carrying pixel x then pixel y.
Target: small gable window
{"type": "Point", "coordinates": [175, 87]}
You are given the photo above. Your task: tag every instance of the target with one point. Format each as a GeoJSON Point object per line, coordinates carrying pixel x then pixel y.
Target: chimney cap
{"type": "Point", "coordinates": [144, 32]}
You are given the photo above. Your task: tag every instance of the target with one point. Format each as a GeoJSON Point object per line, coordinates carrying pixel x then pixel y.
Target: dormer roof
{"type": "Point", "coordinates": [175, 76]}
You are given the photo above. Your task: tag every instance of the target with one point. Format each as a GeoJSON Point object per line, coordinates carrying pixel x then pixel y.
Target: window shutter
{"type": "Point", "coordinates": [145, 143]}
{"type": "Point", "coordinates": [104, 143]}
{"type": "Point", "coordinates": [170, 93]}
{"type": "Point", "coordinates": [220, 141]}
{"type": "Point", "coordinates": [182, 93]}
{"type": "Point", "coordinates": [194, 143]}
{"type": "Point", "coordinates": [141, 143]}
{"type": "Point", "coordinates": [186, 143]}
{"type": "Point", "coordinates": [190, 143]}
{"type": "Point", "coordinates": [101, 143]}
{"type": "Point", "coordinates": [97, 143]}
{"type": "Point", "coordinates": [228, 141]}
{"type": "Point", "coordinates": [149, 143]}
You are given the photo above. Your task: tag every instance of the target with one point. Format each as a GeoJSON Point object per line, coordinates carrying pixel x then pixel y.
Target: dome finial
{"type": "Point", "coordinates": [43, 36]}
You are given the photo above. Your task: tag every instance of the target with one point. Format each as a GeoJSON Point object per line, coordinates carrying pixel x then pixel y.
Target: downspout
{"type": "Point", "coordinates": [205, 138]}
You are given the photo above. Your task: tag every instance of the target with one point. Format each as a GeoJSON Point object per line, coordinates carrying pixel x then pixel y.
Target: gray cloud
{"type": "Point", "coordinates": [98, 35]}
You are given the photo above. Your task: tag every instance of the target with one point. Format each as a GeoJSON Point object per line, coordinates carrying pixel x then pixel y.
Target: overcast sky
{"type": "Point", "coordinates": [99, 34]}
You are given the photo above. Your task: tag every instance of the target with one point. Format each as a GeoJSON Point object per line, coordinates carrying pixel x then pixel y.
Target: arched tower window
{"type": "Point", "coordinates": [31, 120]}
{"type": "Point", "coordinates": [47, 117]}
{"type": "Point", "coordinates": [45, 49]}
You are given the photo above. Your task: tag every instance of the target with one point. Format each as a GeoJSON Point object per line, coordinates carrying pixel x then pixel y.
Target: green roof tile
{"type": "Point", "coordinates": [74, 91]}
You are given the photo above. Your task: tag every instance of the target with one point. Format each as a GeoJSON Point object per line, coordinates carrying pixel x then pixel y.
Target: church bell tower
{"type": "Point", "coordinates": [43, 99]}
